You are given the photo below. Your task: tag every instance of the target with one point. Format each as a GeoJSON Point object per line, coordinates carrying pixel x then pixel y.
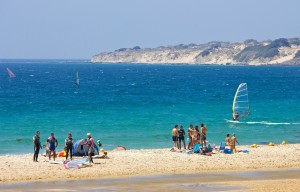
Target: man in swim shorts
{"type": "Point", "coordinates": [52, 145]}
{"type": "Point", "coordinates": [36, 146]}
{"type": "Point", "coordinates": [203, 135]}
{"type": "Point", "coordinates": [181, 133]}
{"type": "Point", "coordinates": [175, 136]}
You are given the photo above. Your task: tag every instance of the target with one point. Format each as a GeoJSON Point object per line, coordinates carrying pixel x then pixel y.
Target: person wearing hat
{"type": "Point", "coordinates": [90, 142]}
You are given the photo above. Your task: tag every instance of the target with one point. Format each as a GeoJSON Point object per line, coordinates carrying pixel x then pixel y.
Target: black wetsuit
{"type": "Point", "coordinates": [69, 146]}
{"type": "Point", "coordinates": [37, 146]}
{"type": "Point", "coordinates": [181, 137]}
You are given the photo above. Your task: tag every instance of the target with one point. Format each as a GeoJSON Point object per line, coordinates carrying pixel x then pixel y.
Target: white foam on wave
{"type": "Point", "coordinates": [262, 122]}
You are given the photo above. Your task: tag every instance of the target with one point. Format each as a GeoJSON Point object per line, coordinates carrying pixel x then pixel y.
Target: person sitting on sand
{"type": "Point", "coordinates": [181, 133]}
{"type": "Point", "coordinates": [203, 135]}
{"type": "Point", "coordinates": [90, 142]}
{"type": "Point", "coordinates": [175, 136]}
{"type": "Point", "coordinates": [69, 145]}
{"type": "Point", "coordinates": [52, 145]}
{"type": "Point", "coordinates": [233, 141]}
{"type": "Point", "coordinates": [228, 140]}
{"type": "Point", "coordinates": [36, 146]}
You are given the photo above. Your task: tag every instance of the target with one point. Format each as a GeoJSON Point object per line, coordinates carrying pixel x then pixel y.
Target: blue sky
{"type": "Point", "coordinates": [76, 29]}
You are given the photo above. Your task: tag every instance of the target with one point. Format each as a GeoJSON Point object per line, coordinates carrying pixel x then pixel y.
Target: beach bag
{"type": "Point", "coordinates": [196, 148]}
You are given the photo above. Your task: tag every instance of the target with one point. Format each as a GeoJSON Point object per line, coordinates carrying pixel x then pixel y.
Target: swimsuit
{"type": "Point", "coordinates": [51, 141]}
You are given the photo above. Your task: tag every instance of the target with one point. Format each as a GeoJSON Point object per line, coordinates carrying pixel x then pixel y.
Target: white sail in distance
{"type": "Point", "coordinates": [77, 83]}
{"type": "Point", "coordinates": [240, 105]}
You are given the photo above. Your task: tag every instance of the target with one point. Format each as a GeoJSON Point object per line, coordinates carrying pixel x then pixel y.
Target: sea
{"type": "Point", "coordinates": [137, 105]}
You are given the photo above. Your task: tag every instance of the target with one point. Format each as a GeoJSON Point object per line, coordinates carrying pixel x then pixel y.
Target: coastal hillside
{"type": "Point", "coordinates": [252, 52]}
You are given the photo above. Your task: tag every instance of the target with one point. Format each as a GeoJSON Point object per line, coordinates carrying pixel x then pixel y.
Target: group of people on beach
{"type": "Point", "coordinates": [52, 143]}
{"type": "Point", "coordinates": [231, 141]}
{"type": "Point", "coordinates": [195, 135]}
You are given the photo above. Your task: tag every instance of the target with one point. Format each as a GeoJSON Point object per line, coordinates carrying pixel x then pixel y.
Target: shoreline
{"type": "Point", "coordinates": [258, 180]}
{"type": "Point", "coordinates": [150, 162]}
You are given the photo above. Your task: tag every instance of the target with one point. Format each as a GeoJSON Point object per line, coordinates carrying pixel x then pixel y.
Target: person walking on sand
{"type": "Point", "coordinates": [36, 146]}
{"type": "Point", "coordinates": [69, 145]}
{"type": "Point", "coordinates": [233, 141]}
{"type": "Point", "coordinates": [52, 143]}
{"type": "Point", "coordinates": [90, 142]}
{"type": "Point", "coordinates": [181, 133]}
{"type": "Point", "coordinates": [203, 135]}
{"type": "Point", "coordinates": [175, 136]}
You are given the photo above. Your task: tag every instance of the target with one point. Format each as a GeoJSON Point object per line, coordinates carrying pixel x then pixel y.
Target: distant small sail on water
{"type": "Point", "coordinates": [77, 83]}
{"type": "Point", "coordinates": [11, 74]}
{"type": "Point", "coordinates": [240, 105]}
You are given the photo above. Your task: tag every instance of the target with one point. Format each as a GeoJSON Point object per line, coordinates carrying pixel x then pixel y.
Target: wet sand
{"type": "Point", "coordinates": [267, 180]}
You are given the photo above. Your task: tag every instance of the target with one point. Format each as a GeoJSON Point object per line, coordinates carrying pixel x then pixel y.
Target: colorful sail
{"type": "Point", "coordinates": [77, 83]}
{"type": "Point", "coordinates": [240, 106]}
{"type": "Point", "coordinates": [10, 73]}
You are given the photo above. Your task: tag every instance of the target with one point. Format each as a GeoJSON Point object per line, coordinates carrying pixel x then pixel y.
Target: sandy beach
{"type": "Point", "coordinates": [21, 168]}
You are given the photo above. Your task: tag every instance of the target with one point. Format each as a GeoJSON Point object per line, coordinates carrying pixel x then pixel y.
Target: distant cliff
{"type": "Point", "coordinates": [252, 52]}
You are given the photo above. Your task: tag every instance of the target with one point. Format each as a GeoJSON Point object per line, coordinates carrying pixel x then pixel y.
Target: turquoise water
{"type": "Point", "coordinates": [137, 105]}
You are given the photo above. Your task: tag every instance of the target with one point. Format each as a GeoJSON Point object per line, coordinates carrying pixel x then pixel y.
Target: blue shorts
{"type": "Point", "coordinates": [174, 138]}
{"type": "Point", "coordinates": [52, 147]}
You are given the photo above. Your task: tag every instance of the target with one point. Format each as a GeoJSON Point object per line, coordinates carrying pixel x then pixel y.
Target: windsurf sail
{"type": "Point", "coordinates": [240, 105]}
{"type": "Point", "coordinates": [77, 83]}
{"type": "Point", "coordinates": [77, 163]}
{"type": "Point", "coordinates": [10, 73]}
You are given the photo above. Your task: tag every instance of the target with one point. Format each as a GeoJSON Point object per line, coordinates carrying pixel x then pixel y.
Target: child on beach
{"type": "Point", "coordinates": [69, 145]}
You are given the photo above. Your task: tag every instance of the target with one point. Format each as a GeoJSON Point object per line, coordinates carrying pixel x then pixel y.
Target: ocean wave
{"type": "Point", "coordinates": [262, 122]}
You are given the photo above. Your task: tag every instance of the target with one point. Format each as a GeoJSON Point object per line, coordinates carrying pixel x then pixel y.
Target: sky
{"type": "Point", "coordinates": [77, 29]}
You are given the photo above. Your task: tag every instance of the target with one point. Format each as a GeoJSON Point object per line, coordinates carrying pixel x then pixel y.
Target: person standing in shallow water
{"type": "Point", "coordinates": [175, 136]}
{"type": "Point", "coordinates": [36, 146]}
{"type": "Point", "coordinates": [181, 133]}
{"type": "Point", "coordinates": [69, 145]}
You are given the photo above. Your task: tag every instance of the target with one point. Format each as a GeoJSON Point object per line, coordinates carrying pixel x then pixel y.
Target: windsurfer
{"type": "Point", "coordinates": [236, 116]}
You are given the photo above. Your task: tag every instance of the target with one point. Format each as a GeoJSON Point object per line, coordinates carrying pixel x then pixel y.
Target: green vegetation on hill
{"type": "Point", "coordinates": [261, 51]}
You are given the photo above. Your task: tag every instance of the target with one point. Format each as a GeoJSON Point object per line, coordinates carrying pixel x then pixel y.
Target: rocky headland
{"type": "Point", "coordinates": [281, 51]}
